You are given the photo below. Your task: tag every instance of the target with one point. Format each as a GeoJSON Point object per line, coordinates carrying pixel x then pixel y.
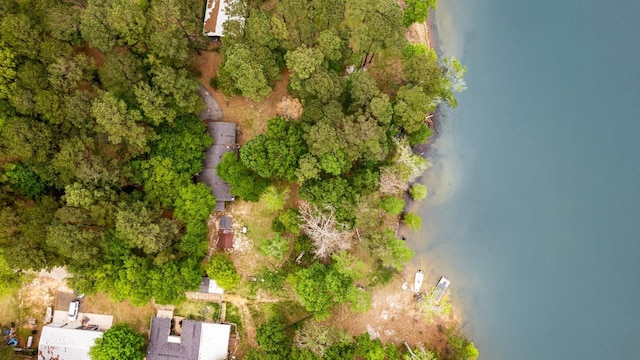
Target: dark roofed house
{"type": "Point", "coordinates": [196, 341]}
{"type": "Point", "coordinates": [224, 141]}
{"type": "Point", "coordinates": [225, 233]}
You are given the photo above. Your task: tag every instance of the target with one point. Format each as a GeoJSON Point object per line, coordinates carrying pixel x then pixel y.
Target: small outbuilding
{"type": "Point", "coordinates": [225, 233]}
{"type": "Point", "coordinates": [210, 286]}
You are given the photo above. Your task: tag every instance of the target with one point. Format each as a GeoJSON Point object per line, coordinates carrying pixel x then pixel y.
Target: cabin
{"type": "Point", "coordinates": [225, 233]}
{"type": "Point", "coordinates": [210, 286]}
{"type": "Point", "coordinates": [224, 141]}
{"type": "Point", "coordinates": [173, 338]}
{"type": "Point", "coordinates": [215, 15]}
{"type": "Point", "coordinates": [71, 340]}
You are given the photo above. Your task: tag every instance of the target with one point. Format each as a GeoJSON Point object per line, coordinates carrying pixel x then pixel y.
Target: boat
{"type": "Point", "coordinates": [417, 283]}
{"type": "Point", "coordinates": [440, 289]}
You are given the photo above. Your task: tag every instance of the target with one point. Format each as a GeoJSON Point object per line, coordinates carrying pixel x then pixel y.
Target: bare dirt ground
{"type": "Point", "coordinates": [395, 316]}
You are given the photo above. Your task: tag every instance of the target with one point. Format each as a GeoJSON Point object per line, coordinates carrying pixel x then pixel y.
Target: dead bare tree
{"type": "Point", "coordinates": [290, 108]}
{"type": "Point", "coordinates": [326, 233]}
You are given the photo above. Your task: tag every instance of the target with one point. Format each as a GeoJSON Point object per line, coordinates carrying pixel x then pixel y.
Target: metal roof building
{"type": "Point", "coordinates": [215, 15]}
{"type": "Point", "coordinates": [71, 340]}
{"type": "Point", "coordinates": [197, 341]}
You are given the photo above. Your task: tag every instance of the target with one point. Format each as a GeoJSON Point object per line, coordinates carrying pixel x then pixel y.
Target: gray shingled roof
{"type": "Point", "coordinates": [225, 223]}
{"type": "Point", "coordinates": [223, 133]}
{"type": "Point", "coordinates": [160, 349]}
{"type": "Point", "coordinates": [224, 141]}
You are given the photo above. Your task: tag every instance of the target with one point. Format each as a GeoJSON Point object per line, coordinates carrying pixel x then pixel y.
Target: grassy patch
{"type": "Point", "coordinates": [9, 306]}
{"type": "Point", "coordinates": [199, 310]}
{"type": "Point", "coordinates": [138, 317]}
{"type": "Point", "coordinates": [234, 316]}
{"type": "Point", "coordinates": [291, 311]}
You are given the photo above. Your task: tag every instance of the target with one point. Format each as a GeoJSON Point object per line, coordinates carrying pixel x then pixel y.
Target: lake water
{"type": "Point", "coordinates": [534, 206]}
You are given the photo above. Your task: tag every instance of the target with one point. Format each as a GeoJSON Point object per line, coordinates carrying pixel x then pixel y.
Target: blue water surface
{"type": "Point", "coordinates": [534, 206]}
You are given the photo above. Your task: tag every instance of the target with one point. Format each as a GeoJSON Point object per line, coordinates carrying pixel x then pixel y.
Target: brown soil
{"type": "Point", "coordinates": [395, 316]}
{"type": "Point", "coordinates": [251, 117]}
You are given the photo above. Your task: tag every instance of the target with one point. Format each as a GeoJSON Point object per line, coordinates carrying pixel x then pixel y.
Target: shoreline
{"type": "Point", "coordinates": [427, 35]}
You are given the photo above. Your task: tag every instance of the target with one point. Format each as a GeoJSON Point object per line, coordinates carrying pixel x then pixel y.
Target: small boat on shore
{"type": "Point", "coordinates": [417, 283]}
{"type": "Point", "coordinates": [438, 292]}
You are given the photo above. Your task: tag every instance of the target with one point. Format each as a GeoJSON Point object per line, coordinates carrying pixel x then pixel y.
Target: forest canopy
{"type": "Point", "coordinates": [99, 144]}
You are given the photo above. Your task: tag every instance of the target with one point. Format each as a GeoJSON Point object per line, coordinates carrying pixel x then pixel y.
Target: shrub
{"type": "Point", "coordinates": [273, 199]}
{"type": "Point", "coordinates": [221, 269]}
{"type": "Point", "coordinates": [392, 205]}
{"type": "Point", "coordinates": [291, 221]}
{"type": "Point", "coordinates": [275, 247]}
{"type": "Point", "coordinates": [119, 342]}
{"type": "Point", "coordinates": [418, 192]}
{"type": "Point", "coordinates": [214, 83]}
{"type": "Point", "coordinates": [412, 220]}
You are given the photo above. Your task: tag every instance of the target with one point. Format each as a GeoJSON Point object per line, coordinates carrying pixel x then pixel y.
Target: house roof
{"type": "Point", "coordinates": [223, 133]}
{"type": "Point", "coordinates": [215, 14]}
{"type": "Point", "coordinates": [224, 141]}
{"type": "Point", "coordinates": [197, 341]}
{"type": "Point", "coordinates": [66, 343]}
{"type": "Point", "coordinates": [225, 223]}
{"type": "Point", "coordinates": [220, 189]}
{"type": "Point", "coordinates": [210, 286]}
{"type": "Point", "coordinates": [225, 239]}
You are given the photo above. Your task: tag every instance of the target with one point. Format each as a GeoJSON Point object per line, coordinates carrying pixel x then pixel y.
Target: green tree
{"type": "Point", "coordinates": [247, 75]}
{"type": "Point", "coordinates": [95, 28]}
{"type": "Point", "coordinates": [244, 182]}
{"type": "Point", "coordinates": [173, 31]}
{"type": "Point", "coordinates": [460, 347]}
{"type": "Point", "coordinates": [389, 250]}
{"type": "Point", "coordinates": [276, 153]}
{"type": "Point", "coordinates": [221, 269]}
{"type": "Point", "coordinates": [418, 192]}
{"type": "Point", "coordinates": [319, 287]}
{"type": "Point", "coordinates": [119, 342]}
{"type": "Point", "coordinates": [275, 199]}
{"type": "Point", "coordinates": [184, 142]}
{"type": "Point", "coordinates": [331, 45]}
{"type": "Point", "coordinates": [121, 124]}
{"type": "Point", "coordinates": [417, 11]}
{"type": "Point", "coordinates": [22, 34]}
{"type": "Point", "coordinates": [304, 61]}
{"type": "Point", "coordinates": [194, 203]}
{"type": "Point", "coordinates": [412, 220]}
{"type": "Point", "coordinates": [179, 88]}
{"type": "Point", "coordinates": [392, 204]}
{"type": "Point", "coordinates": [411, 108]}
{"type": "Point", "coordinates": [7, 71]}
{"type": "Point", "coordinates": [153, 104]}
{"type": "Point", "coordinates": [272, 338]}
{"type": "Point", "coordinates": [375, 26]}
{"type": "Point", "coordinates": [275, 247]}
{"type": "Point", "coordinates": [141, 227]}
{"type": "Point", "coordinates": [27, 140]}
{"type": "Point", "coordinates": [23, 179]}
{"type": "Point", "coordinates": [120, 72]}
{"type": "Point", "coordinates": [374, 349]}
